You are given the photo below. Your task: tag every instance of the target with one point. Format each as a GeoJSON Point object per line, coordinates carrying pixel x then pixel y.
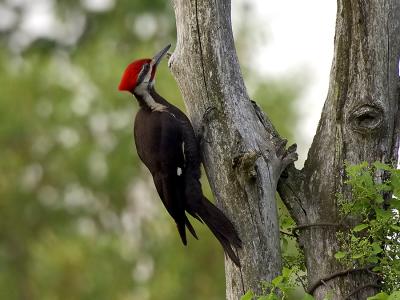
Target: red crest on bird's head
{"type": "Point", "coordinates": [131, 74]}
{"type": "Point", "coordinates": [137, 71]}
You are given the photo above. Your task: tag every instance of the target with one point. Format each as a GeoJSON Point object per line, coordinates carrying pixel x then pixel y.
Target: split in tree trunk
{"type": "Point", "coordinates": [244, 156]}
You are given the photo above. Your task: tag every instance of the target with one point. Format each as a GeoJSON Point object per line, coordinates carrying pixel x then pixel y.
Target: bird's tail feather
{"type": "Point", "coordinates": [182, 231]}
{"type": "Point", "coordinates": [220, 226]}
{"type": "Point", "coordinates": [200, 206]}
{"type": "Point", "coordinates": [190, 227]}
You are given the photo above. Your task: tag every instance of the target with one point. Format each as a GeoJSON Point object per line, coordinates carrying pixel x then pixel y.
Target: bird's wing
{"type": "Point", "coordinates": [168, 177]}
{"type": "Point", "coordinates": [168, 188]}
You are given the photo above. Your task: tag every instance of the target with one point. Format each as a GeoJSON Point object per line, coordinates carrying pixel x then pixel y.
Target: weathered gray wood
{"type": "Point", "coordinates": [243, 156]}
{"type": "Point", "coordinates": [359, 122]}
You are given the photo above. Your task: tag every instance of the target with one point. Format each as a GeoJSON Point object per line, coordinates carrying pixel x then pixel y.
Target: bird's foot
{"type": "Point", "coordinates": [206, 119]}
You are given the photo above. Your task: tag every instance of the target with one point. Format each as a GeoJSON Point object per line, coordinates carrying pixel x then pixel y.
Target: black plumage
{"type": "Point", "coordinates": [167, 145]}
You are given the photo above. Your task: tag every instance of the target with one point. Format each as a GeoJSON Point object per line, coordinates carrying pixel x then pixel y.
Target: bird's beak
{"type": "Point", "coordinates": [157, 58]}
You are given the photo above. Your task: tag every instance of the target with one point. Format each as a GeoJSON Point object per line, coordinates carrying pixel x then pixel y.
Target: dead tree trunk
{"type": "Point", "coordinates": [359, 122]}
{"type": "Point", "coordinates": [244, 156]}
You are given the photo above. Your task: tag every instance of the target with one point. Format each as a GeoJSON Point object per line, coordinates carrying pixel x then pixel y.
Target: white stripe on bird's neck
{"type": "Point", "coordinates": [142, 90]}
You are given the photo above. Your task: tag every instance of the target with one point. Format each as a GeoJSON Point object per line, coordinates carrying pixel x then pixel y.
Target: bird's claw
{"type": "Point", "coordinates": [204, 120]}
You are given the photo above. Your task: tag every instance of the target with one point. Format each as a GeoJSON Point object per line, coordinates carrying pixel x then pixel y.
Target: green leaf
{"type": "Point", "coordinates": [307, 297]}
{"type": "Point", "coordinates": [358, 255]}
{"type": "Point", "coordinates": [373, 260]}
{"type": "Point", "coordinates": [376, 248]}
{"type": "Point", "coordinates": [277, 280]}
{"type": "Point", "coordinates": [380, 296]}
{"type": "Point", "coordinates": [379, 199]}
{"type": "Point", "coordinates": [248, 296]}
{"type": "Point", "coordinates": [395, 227]}
{"type": "Point", "coordinates": [271, 296]}
{"type": "Point", "coordinates": [384, 187]}
{"type": "Point", "coordinates": [381, 166]}
{"type": "Point", "coordinates": [340, 255]}
{"type": "Point", "coordinates": [395, 203]}
{"type": "Point", "coordinates": [377, 269]}
{"type": "Point", "coordinates": [360, 227]}
{"type": "Point", "coordinates": [394, 296]}
{"type": "Point", "coordinates": [284, 245]}
{"type": "Point", "coordinates": [286, 272]}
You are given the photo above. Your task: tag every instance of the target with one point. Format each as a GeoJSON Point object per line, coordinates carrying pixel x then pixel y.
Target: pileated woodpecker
{"type": "Point", "coordinates": [166, 144]}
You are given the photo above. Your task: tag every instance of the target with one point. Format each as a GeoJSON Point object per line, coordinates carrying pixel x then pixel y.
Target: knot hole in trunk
{"type": "Point", "coordinates": [366, 119]}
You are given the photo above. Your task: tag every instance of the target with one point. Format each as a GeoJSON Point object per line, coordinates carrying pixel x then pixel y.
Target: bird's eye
{"type": "Point", "coordinates": [143, 72]}
{"type": "Point", "coordinates": [145, 68]}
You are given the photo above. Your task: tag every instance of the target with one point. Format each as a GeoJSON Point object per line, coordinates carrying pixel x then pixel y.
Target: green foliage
{"type": "Point", "coordinates": [248, 296]}
{"type": "Point", "coordinates": [283, 287]}
{"type": "Point", "coordinates": [375, 238]}
{"type": "Point", "coordinates": [292, 255]}
{"type": "Point", "coordinates": [384, 296]}
{"type": "Point", "coordinates": [289, 285]}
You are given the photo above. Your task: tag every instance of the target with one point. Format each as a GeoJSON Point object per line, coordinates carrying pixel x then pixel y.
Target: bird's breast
{"type": "Point", "coordinates": [158, 139]}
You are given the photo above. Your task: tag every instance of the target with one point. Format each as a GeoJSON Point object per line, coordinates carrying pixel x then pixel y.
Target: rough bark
{"type": "Point", "coordinates": [359, 122]}
{"type": "Point", "coordinates": [242, 155]}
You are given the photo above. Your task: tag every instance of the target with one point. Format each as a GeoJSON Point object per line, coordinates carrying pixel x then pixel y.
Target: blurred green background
{"type": "Point", "coordinates": [79, 217]}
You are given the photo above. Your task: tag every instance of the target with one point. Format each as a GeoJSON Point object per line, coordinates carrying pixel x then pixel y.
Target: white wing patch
{"type": "Point", "coordinates": [183, 151]}
{"type": "Point", "coordinates": [179, 170]}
